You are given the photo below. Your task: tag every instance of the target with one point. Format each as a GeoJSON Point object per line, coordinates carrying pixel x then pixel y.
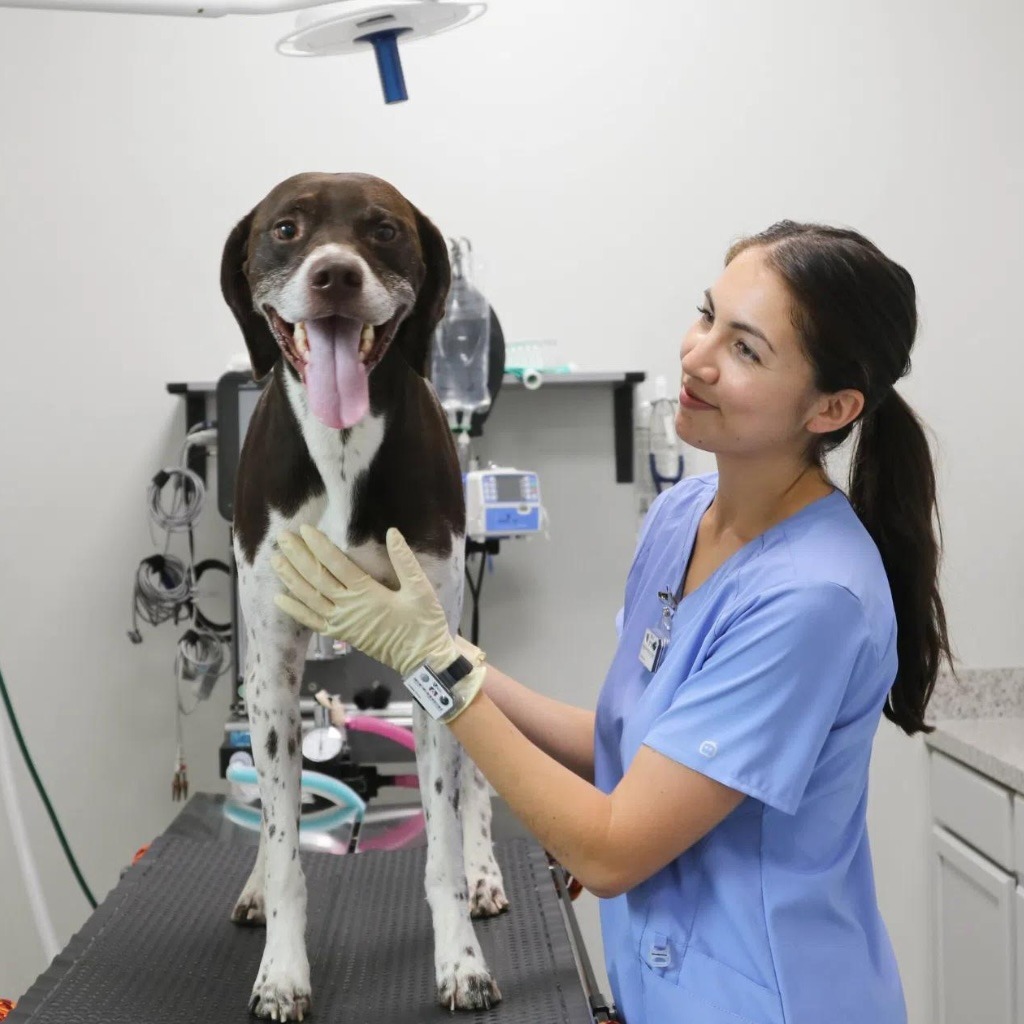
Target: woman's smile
{"type": "Point", "coordinates": [688, 400]}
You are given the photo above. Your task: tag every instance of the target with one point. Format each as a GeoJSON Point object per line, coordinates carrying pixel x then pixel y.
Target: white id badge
{"type": "Point", "coordinates": [652, 650]}
{"type": "Point", "coordinates": [655, 642]}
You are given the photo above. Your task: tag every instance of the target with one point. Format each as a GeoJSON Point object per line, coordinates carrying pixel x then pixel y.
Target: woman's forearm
{"type": "Point", "coordinates": [561, 730]}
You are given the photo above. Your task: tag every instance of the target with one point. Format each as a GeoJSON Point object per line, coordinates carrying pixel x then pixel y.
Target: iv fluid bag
{"type": "Point", "coordinates": [460, 359]}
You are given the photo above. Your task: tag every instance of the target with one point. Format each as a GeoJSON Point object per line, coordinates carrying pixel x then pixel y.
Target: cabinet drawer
{"type": "Point", "coordinates": [976, 809]}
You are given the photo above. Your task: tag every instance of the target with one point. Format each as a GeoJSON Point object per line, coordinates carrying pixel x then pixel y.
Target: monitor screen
{"type": "Point", "coordinates": [510, 486]}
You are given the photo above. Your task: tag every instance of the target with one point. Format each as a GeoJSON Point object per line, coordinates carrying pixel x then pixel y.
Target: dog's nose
{"type": "Point", "coordinates": [336, 275]}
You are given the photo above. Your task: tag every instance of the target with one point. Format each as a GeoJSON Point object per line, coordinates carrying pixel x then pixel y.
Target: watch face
{"type": "Point", "coordinates": [322, 744]}
{"type": "Point", "coordinates": [430, 692]}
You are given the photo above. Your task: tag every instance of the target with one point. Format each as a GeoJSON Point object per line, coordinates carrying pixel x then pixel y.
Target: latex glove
{"type": "Point", "coordinates": [402, 628]}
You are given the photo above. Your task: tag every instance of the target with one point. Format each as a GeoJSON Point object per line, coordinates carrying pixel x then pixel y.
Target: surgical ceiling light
{"type": "Point", "coordinates": [323, 27]}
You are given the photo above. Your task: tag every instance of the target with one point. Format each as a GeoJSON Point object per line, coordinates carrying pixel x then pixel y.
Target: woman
{"type": "Point", "coordinates": [716, 800]}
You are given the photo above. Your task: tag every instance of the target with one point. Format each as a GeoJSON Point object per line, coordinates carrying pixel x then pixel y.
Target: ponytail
{"type": "Point", "coordinates": [892, 490]}
{"type": "Point", "coordinates": [856, 312]}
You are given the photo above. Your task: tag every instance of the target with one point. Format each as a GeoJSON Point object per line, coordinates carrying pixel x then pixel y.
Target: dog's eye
{"type": "Point", "coordinates": [286, 230]}
{"type": "Point", "coordinates": [384, 233]}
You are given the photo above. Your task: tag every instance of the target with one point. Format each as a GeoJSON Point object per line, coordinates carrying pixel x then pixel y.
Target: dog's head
{"type": "Point", "coordinates": [330, 270]}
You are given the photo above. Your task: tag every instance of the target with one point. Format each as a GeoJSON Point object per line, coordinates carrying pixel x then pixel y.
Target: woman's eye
{"type": "Point", "coordinates": [286, 230]}
{"type": "Point", "coordinates": [705, 314]}
{"type": "Point", "coordinates": [384, 233]}
{"type": "Point", "coordinates": [747, 352]}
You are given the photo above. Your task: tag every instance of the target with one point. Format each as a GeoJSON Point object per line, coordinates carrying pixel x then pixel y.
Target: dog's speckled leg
{"type": "Point", "coordinates": [483, 876]}
{"type": "Point", "coordinates": [249, 906]}
{"type": "Point", "coordinates": [463, 979]}
{"type": "Point", "coordinates": [274, 663]}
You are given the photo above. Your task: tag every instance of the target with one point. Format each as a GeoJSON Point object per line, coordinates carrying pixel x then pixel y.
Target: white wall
{"type": "Point", "coordinates": [601, 156]}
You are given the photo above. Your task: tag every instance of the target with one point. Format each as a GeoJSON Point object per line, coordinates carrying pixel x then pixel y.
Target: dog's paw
{"type": "Point", "coordinates": [488, 898]}
{"type": "Point", "coordinates": [281, 991]}
{"type": "Point", "coordinates": [249, 910]}
{"type": "Point", "coordinates": [279, 999]}
{"type": "Point", "coordinates": [467, 987]}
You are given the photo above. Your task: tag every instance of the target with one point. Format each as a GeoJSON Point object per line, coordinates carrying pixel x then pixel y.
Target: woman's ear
{"type": "Point", "coordinates": [836, 410]}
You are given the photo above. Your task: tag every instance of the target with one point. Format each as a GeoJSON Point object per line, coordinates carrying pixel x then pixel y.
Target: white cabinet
{"type": "Point", "coordinates": [974, 941]}
{"type": "Point", "coordinates": [974, 808]}
{"type": "Point", "coordinates": [978, 901]}
{"type": "Point", "coordinates": [1018, 835]}
{"type": "Point", "coordinates": [1020, 955]}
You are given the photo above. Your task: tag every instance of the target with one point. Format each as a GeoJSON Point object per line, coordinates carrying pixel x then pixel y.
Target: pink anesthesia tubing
{"type": "Point", "coordinates": [397, 733]}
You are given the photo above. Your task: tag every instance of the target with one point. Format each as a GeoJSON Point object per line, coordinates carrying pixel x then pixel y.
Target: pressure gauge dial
{"type": "Point", "coordinates": [324, 741]}
{"type": "Point", "coordinates": [323, 744]}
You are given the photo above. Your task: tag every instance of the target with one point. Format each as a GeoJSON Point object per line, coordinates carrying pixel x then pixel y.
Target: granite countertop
{"type": "Point", "coordinates": [992, 746]}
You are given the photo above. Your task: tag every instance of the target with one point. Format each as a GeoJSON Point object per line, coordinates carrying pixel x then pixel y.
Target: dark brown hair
{"type": "Point", "coordinates": [855, 311]}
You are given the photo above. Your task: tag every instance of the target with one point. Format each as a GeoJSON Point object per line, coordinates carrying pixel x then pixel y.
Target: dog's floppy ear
{"type": "Point", "coordinates": [416, 333]}
{"type": "Point", "coordinates": [263, 349]}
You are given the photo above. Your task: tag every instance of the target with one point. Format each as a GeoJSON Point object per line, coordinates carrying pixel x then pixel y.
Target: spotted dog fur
{"type": "Point", "coordinates": [396, 467]}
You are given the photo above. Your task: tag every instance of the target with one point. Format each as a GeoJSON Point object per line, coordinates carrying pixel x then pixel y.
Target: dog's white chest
{"type": "Point", "coordinates": [341, 463]}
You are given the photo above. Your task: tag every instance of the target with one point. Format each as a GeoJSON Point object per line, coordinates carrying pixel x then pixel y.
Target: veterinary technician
{"type": "Point", "coordinates": [716, 799]}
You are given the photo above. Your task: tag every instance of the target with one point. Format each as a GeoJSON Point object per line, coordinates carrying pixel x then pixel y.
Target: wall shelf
{"type": "Point", "coordinates": [622, 385]}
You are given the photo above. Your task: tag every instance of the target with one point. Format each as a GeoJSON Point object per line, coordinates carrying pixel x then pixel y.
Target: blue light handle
{"type": "Point", "coordinates": [389, 64]}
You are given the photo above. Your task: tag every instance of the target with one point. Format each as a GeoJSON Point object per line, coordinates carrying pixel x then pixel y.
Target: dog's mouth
{"type": "Point", "coordinates": [333, 355]}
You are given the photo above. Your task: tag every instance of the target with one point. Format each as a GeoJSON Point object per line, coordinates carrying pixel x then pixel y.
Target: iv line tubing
{"type": "Point", "coordinates": [42, 793]}
{"type": "Point", "coordinates": [44, 926]}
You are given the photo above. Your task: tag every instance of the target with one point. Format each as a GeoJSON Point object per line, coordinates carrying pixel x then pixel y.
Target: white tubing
{"type": "Point", "coordinates": [44, 926]}
{"type": "Point", "coordinates": [532, 379]}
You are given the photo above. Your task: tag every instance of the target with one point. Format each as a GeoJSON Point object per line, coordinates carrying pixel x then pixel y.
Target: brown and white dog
{"type": "Point", "coordinates": [337, 282]}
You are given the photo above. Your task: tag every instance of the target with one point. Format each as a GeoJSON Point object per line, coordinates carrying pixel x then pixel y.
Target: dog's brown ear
{"type": "Point", "coordinates": [416, 333]}
{"type": "Point", "coordinates": [263, 349]}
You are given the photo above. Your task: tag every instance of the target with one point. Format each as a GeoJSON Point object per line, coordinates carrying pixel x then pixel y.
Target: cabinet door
{"type": "Point", "coordinates": [974, 935]}
{"type": "Point", "coordinates": [1020, 955]}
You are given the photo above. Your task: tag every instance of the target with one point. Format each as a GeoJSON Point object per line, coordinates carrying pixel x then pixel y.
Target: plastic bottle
{"type": "Point", "coordinates": [643, 483]}
{"type": "Point", "coordinates": [655, 440]}
{"type": "Point", "coordinates": [460, 358]}
{"type": "Point", "coordinates": [664, 444]}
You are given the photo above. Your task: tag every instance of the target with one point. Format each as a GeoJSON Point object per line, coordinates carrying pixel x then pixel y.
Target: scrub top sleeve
{"type": "Point", "coordinates": [756, 713]}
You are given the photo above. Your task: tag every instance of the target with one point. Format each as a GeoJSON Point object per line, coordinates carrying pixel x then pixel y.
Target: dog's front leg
{"type": "Point", "coordinates": [274, 664]}
{"type": "Point", "coordinates": [463, 979]}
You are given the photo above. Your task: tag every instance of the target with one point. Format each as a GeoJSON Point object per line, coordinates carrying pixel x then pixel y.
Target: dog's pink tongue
{"type": "Point", "coordinates": [335, 379]}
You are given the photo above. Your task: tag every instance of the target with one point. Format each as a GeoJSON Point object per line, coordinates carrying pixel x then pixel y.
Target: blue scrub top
{"type": "Point", "coordinates": [773, 684]}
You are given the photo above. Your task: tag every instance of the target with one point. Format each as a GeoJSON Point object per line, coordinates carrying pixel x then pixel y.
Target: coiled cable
{"type": "Point", "coordinates": [163, 591]}
{"type": "Point", "coordinates": [188, 494]}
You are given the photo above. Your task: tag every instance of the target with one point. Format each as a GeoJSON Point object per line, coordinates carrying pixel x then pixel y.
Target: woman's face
{"type": "Point", "coordinates": [747, 387]}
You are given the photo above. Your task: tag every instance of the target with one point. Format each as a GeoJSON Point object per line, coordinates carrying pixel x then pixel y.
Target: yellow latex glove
{"type": "Point", "coordinates": [402, 628]}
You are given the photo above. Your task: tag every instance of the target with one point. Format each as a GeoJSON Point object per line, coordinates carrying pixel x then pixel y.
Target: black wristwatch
{"type": "Point", "coordinates": [434, 691]}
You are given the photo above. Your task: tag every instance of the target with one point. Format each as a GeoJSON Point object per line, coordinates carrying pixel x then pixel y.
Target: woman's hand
{"type": "Point", "coordinates": [331, 595]}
